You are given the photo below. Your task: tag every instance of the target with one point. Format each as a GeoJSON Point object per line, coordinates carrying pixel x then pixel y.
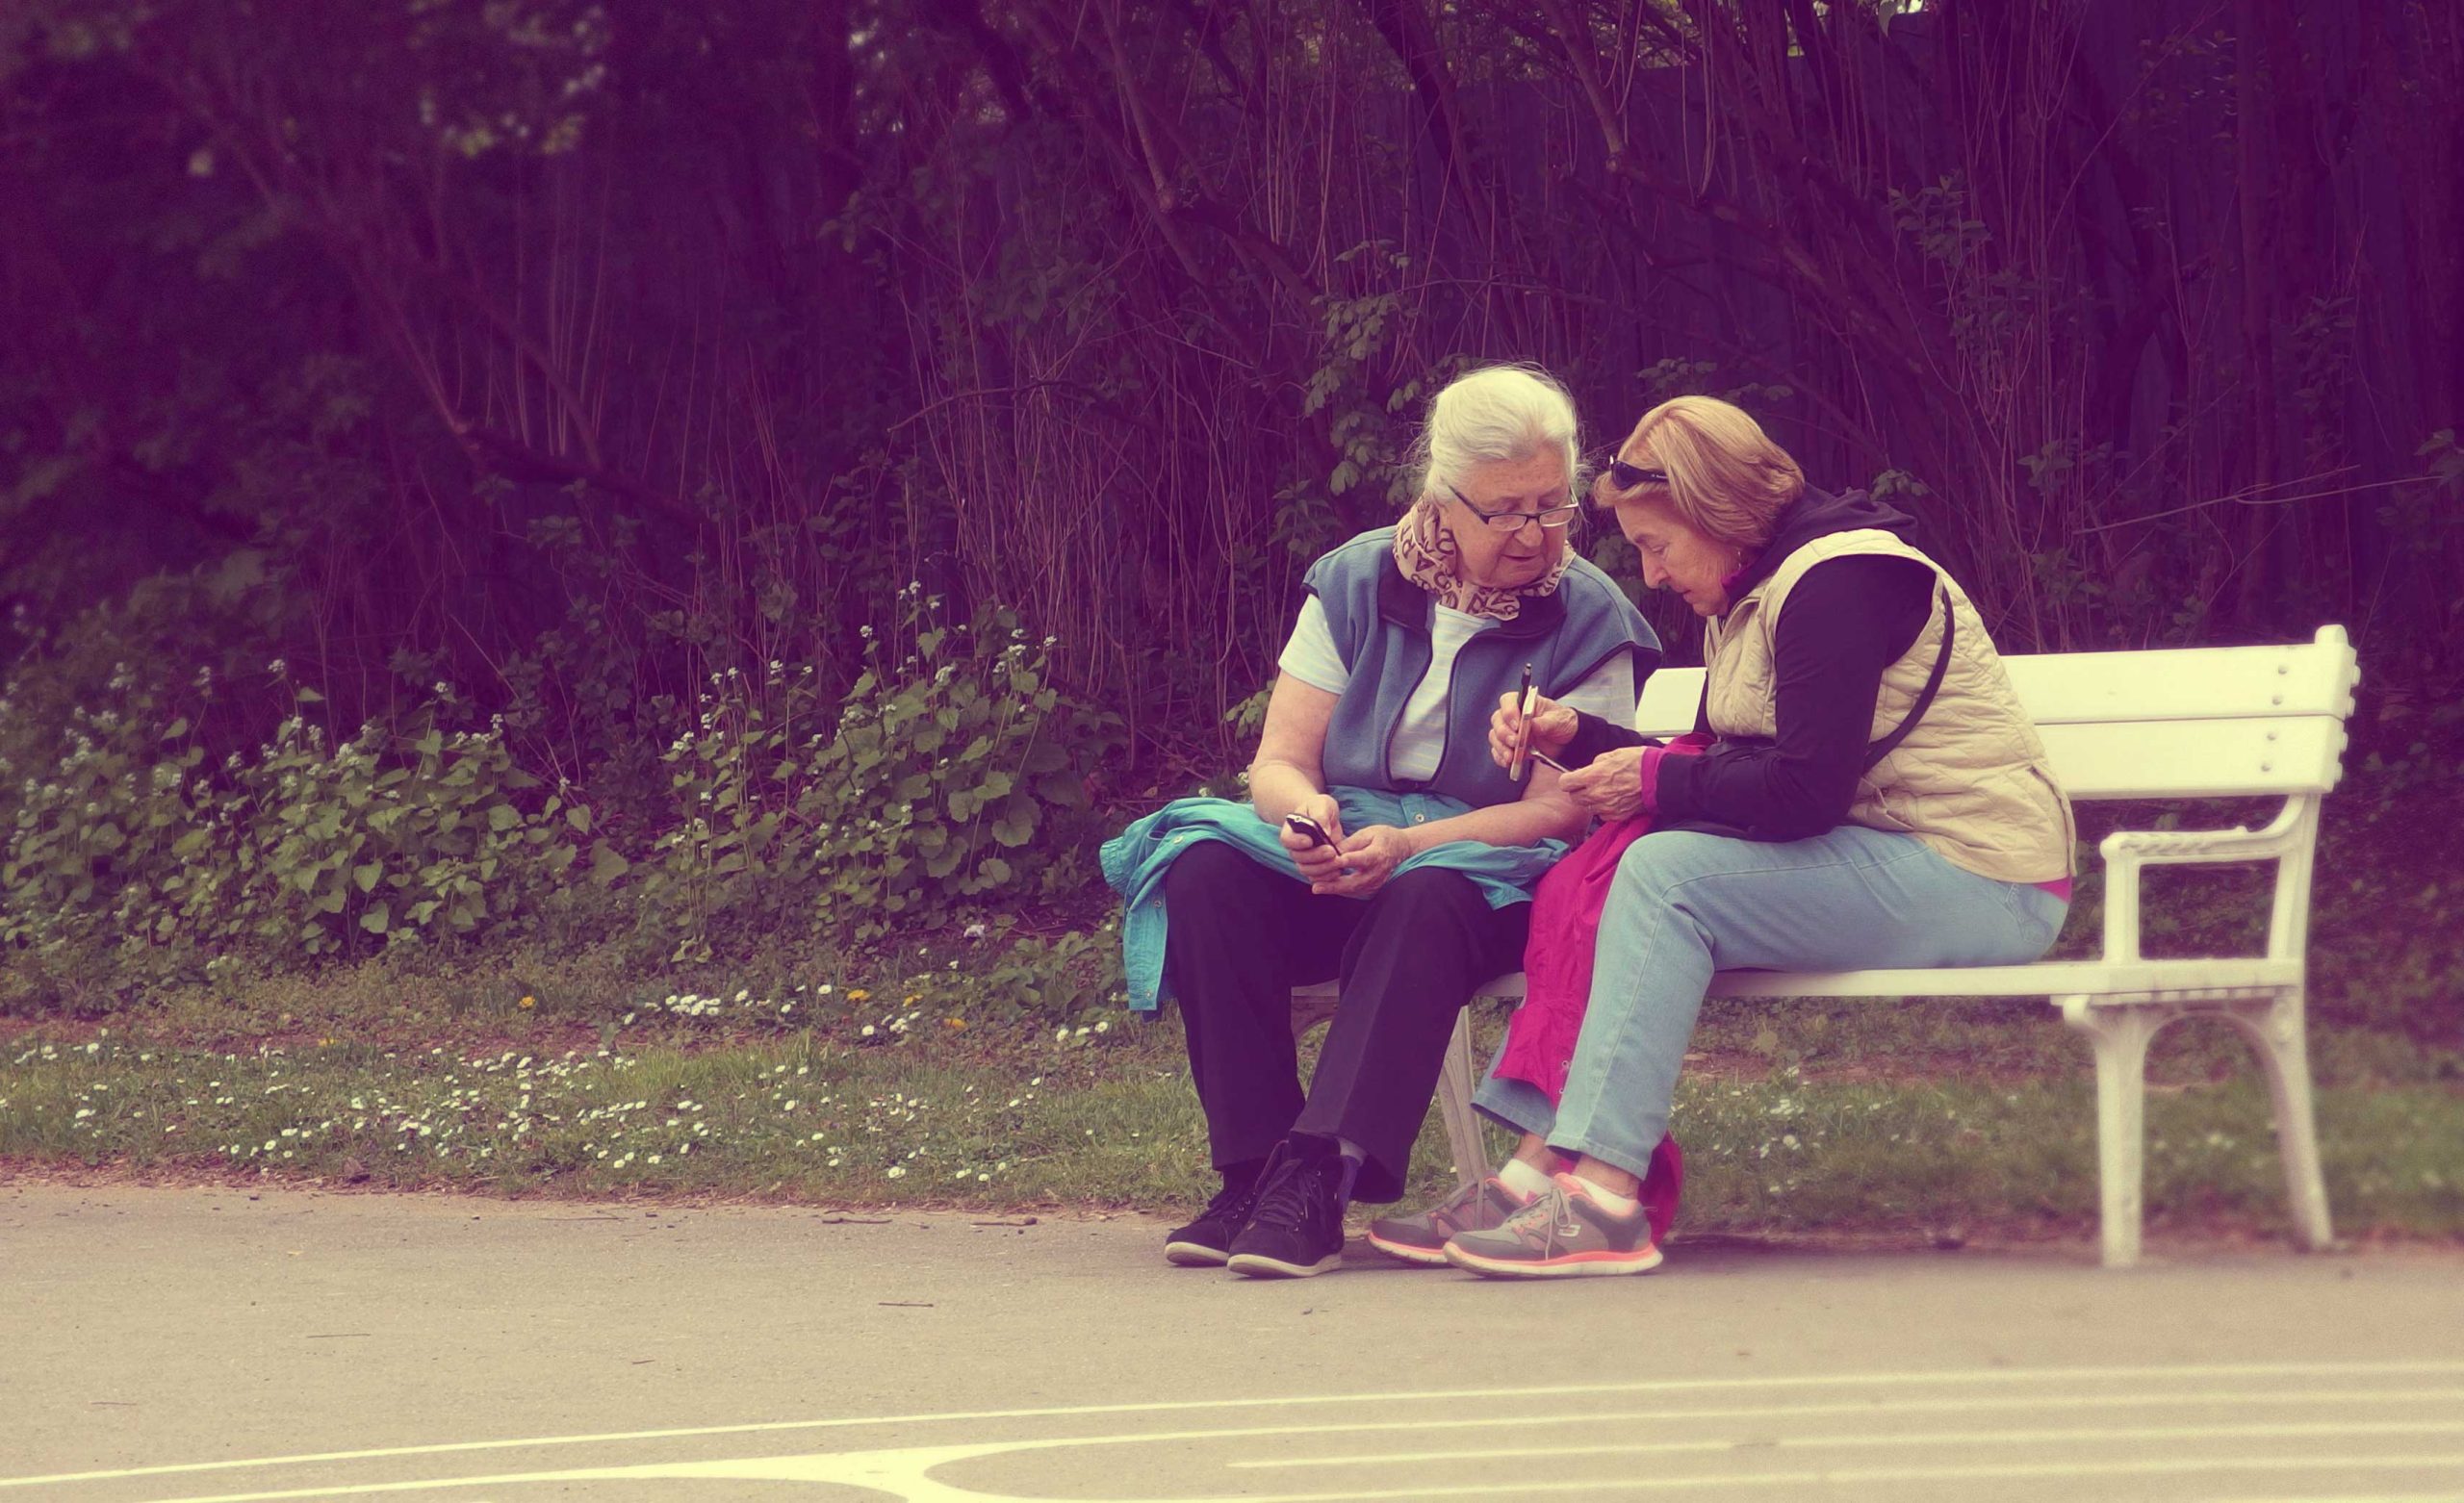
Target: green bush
{"type": "Point", "coordinates": [91, 835]}
{"type": "Point", "coordinates": [298, 853]}
{"type": "Point", "coordinates": [434, 834]}
{"type": "Point", "coordinates": [942, 772]}
{"type": "Point", "coordinates": [920, 796]}
{"type": "Point", "coordinates": [129, 857]}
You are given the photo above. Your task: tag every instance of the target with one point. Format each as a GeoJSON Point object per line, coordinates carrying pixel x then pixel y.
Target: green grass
{"type": "Point", "coordinates": [1001, 1119]}
{"type": "Point", "coordinates": [912, 1073]}
{"type": "Point", "coordinates": [542, 995]}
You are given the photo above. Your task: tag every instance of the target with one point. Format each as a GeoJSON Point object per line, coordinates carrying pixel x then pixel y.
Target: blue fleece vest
{"type": "Point", "coordinates": [1380, 622]}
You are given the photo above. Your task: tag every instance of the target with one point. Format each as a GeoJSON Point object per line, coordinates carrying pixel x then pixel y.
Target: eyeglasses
{"type": "Point", "coordinates": [1625, 476]}
{"type": "Point", "coordinates": [1551, 517]}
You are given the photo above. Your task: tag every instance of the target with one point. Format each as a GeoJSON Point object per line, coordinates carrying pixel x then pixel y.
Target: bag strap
{"type": "Point", "coordinates": [1925, 696]}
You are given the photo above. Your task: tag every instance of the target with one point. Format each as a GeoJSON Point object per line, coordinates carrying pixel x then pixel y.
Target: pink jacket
{"type": "Point", "coordinates": [1557, 968]}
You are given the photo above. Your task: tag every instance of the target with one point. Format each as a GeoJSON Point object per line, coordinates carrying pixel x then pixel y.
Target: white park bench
{"type": "Point", "coordinates": [2209, 723]}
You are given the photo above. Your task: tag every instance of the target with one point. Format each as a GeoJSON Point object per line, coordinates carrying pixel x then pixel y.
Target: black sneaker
{"type": "Point", "coordinates": [1206, 1242]}
{"type": "Point", "coordinates": [1298, 1227]}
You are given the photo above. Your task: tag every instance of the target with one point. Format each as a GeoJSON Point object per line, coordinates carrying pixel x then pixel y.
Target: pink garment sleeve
{"type": "Point", "coordinates": [1694, 742]}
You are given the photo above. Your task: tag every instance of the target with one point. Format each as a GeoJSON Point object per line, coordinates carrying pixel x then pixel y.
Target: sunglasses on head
{"type": "Point", "coordinates": [1625, 476]}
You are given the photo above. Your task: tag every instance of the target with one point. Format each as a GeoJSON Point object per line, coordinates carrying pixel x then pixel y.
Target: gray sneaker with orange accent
{"type": "Point", "coordinates": [1422, 1238]}
{"type": "Point", "coordinates": [1562, 1235]}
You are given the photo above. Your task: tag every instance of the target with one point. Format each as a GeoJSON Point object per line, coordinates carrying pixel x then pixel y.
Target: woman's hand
{"type": "Point", "coordinates": [1364, 863]}
{"type": "Point", "coordinates": [1610, 785]}
{"type": "Point", "coordinates": [1552, 726]}
{"type": "Point", "coordinates": [1318, 863]}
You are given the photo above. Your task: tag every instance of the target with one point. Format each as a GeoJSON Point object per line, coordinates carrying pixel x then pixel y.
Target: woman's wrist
{"type": "Point", "coordinates": [1552, 730]}
{"type": "Point", "coordinates": [1279, 788]}
{"type": "Point", "coordinates": [1595, 737]}
{"type": "Point", "coordinates": [1656, 759]}
{"type": "Point", "coordinates": [1647, 775]}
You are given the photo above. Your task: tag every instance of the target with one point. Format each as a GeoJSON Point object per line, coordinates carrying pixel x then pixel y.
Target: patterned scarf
{"type": "Point", "coordinates": [1428, 554]}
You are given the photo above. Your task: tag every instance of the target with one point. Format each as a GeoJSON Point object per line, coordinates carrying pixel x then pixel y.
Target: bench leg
{"type": "Point", "coordinates": [2119, 1035]}
{"type": "Point", "coordinates": [2275, 1031]}
{"type": "Point", "coordinates": [1454, 1082]}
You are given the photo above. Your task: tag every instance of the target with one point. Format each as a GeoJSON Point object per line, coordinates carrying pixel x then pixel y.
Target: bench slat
{"type": "Point", "coordinates": [2185, 758]}
{"type": "Point", "coordinates": [2194, 758]}
{"type": "Point", "coordinates": [2169, 684]}
{"type": "Point", "coordinates": [2196, 683]}
{"type": "Point", "coordinates": [2197, 759]}
{"type": "Point", "coordinates": [2043, 978]}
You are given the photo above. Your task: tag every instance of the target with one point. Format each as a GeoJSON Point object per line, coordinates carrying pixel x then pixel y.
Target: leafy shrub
{"type": "Point", "coordinates": [124, 850]}
{"type": "Point", "coordinates": [918, 796]}
{"type": "Point", "coordinates": [90, 837]}
{"type": "Point", "coordinates": [1057, 977]}
{"type": "Point", "coordinates": [942, 770]}
{"type": "Point", "coordinates": [297, 853]}
{"type": "Point", "coordinates": [434, 834]}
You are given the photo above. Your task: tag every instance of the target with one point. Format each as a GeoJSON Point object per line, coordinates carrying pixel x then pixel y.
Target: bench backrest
{"type": "Point", "coordinates": [2178, 723]}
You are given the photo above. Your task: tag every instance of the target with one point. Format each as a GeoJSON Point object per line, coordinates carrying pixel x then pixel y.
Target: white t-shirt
{"type": "Point", "coordinates": [1420, 737]}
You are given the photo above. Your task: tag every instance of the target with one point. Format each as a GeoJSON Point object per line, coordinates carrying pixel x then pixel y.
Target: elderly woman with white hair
{"type": "Point", "coordinates": [1863, 790]}
{"type": "Point", "coordinates": [1382, 847]}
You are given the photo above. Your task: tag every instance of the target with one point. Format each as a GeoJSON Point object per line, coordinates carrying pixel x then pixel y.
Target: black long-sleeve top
{"type": "Point", "coordinates": [1846, 622]}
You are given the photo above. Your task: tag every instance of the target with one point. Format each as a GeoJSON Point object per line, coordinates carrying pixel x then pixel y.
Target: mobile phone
{"type": "Point", "coordinates": [1524, 701]}
{"type": "Point", "coordinates": [1303, 825]}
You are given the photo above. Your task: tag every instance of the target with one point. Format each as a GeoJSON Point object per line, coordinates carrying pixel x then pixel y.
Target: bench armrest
{"type": "Point", "coordinates": [2289, 840]}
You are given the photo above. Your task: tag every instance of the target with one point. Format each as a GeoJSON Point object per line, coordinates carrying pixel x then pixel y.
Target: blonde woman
{"type": "Point", "coordinates": [1862, 789]}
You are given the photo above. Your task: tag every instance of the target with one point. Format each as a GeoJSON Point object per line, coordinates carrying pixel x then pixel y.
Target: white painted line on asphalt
{"type": "Point", "coordinates": [1873, 1408]}
{"type": "Point", "coordinates": [1945, 1437]}
{"type": "Point", "coordinates": [1880, 1408]}
{"type": "Point", "coordinates": [903, 1474]}
{"type": "Point", "coordinates": [2353, 1497]}
{"type": "Point", "coordinates": [1831, 1477]}
{"type": "Point", "coordinates": [1864, 1381]}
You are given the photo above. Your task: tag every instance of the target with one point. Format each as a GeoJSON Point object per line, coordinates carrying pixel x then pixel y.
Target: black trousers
{"type": "Point", "coordinates": [1241, 937]}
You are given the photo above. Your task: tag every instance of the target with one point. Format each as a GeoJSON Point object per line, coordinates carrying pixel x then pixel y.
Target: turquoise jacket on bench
{"type": "Point", "coordinates": [1135, 860]}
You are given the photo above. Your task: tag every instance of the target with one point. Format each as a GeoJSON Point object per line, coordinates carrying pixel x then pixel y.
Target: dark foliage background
{"type": "Point", "coordinates": [543, 359]}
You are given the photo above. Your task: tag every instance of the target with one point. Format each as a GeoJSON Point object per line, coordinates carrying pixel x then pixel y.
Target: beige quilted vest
{"type": "Point", "coordinates": [1970, 780]}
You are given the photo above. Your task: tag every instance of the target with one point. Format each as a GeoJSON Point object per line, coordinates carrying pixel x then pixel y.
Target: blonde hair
{"type": "Point", "coordinates": [1495, 413]}
{"type": "Point", "coordinates": [1725, 475]}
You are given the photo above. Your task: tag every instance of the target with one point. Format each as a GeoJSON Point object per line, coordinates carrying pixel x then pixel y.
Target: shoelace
{"type": "Point", "coordinates": [1284, 1200]}
{"type": "Point", "coordinates": [1450, 1212]}
{"type": "Point", "coordinates": [1454, 1214]}
{"type": "Point", "coordinates": [1544, 1221]}
{"type": "Point", "coordinates": [1231, 1202]}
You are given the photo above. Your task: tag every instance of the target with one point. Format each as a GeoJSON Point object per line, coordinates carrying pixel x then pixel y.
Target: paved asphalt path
{"type": "Point", "coordinates": [212, 1343]}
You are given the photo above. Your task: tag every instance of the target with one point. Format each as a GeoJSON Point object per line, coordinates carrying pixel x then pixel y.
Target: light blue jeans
{"type": "Point", "coordinates": [1684, 905]}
